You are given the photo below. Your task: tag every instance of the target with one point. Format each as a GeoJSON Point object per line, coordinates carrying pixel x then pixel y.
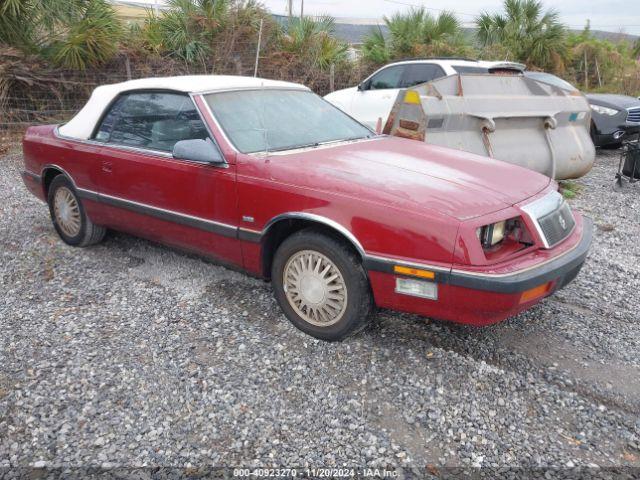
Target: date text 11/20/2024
{"type": "Point", "coordinates": [315, 473]}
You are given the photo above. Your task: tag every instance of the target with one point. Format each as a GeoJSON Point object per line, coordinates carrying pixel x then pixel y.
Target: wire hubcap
{"type": "Point", "coordinates": [314, 288]}
{"type": "Point", "coordinates": [67, 211]}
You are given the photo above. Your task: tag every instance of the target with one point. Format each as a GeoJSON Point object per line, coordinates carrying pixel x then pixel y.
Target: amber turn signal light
{"type": "Point", "coordinates": [414, 272]}
{"type": "Point", "coordinates": [535, 292]}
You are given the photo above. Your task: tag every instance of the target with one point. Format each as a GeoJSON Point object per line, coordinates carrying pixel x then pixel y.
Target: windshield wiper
{"type": "Point", "coordinates": [295, 147]}
{"type": "Point", "coordinates": [318, 144]}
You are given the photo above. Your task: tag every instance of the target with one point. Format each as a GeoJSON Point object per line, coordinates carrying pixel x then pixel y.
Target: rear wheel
{"type": "Point", "coordinates": [68, 215]}
{"type": "Point", "coordinates": [321, 286]}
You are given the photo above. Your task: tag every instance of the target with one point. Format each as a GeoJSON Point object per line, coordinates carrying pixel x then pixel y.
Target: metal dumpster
{"type": "Point", "coordinates": [508, 117]}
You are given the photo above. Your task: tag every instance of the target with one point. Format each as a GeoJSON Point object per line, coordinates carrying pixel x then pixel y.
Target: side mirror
{"type": "Point", "coordinates": [361, 87]}
{"type": "Point", "coordinates": [198, 150]}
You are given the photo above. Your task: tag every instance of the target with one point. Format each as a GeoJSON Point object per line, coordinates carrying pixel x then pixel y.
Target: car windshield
{"type": "Point", "coordinates": [276, 119]}
{"type": "Point", "coordinates": [551, 79]}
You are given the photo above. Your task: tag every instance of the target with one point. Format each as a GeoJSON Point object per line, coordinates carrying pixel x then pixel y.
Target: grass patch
{"type": "Point", "coordinates": [569, 189]}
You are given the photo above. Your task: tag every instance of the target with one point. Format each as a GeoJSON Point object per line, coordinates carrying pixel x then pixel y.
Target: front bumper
{"type": "Point", "coordinates": [486, 298]}
{"type": "Point", "coordinates": [613, 130]}
{"type": "Point", "coordinates": [556, 268]}
{"type": "Point", "coordinates": [627, 132]}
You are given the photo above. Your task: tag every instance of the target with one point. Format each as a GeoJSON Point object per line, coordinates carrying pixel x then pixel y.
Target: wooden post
{"type": "Point", "coordinates": [127, 67]}
{"type": "Point", "coordinates": [255, 68]}
{"type": "Point", "coordinates": [598, 72]}
{"type": "Point", "coordinates": [586, 72]}
{"type": "Point", "coordinates": [332, 74]}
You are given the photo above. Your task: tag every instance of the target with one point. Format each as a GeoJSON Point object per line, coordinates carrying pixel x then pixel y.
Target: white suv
{"type": "Point", "coordinates": [374, 97]}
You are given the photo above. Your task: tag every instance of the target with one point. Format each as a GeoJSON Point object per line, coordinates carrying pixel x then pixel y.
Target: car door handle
{"type": "Point", "coordinates": [107, 167]}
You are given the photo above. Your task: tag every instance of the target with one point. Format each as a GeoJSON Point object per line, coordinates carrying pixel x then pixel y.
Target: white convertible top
{"type": "Point", "coordinates": [83, 123]}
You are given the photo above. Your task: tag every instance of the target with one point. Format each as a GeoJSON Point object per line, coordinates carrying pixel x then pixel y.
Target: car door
{"type": "Point", "coordinates": [147, 192]}
{"type": "Point", "coordinates": [376, 96]}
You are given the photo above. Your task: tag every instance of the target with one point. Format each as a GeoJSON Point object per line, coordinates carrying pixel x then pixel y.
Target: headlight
{"type": "Point", "coordinates": [604, 110]}
{"type": "Point", "coordinates": [491, 235]}
{"type": "Point", "coordinates": [504, 238]}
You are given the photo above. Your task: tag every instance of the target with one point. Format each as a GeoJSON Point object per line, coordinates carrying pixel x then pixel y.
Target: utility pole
{"type": "Point", "coordinates": [301, 9]}
{"type": "Point", "coordinates": [290, 9]}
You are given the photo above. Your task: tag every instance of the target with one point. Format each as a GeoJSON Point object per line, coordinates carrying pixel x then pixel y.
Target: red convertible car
{"type": "Point", "coordinates": [268, 177]}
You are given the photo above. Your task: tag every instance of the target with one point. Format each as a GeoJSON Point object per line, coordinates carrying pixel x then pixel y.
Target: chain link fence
{"type": "Point", "coordinates": [43, 96]}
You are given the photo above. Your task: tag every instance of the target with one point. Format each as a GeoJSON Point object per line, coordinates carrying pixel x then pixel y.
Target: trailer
{"type": "Point", "coordinates": [508, 117]}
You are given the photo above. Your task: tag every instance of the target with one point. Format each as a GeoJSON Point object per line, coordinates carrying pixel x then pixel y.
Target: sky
{"type": "Point", "coordinates": [609, 15]}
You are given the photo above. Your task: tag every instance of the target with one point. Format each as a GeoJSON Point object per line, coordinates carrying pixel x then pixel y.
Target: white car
{"type": "Point", "coordinates": [371, 101]}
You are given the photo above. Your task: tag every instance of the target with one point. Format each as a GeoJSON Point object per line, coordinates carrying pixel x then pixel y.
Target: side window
{"type": "Point", "coordinates": [387, 78]}
{"type": "Point", "coordinates": [420, 73]}
{"type": "Point", "coordinates": [153, 120]}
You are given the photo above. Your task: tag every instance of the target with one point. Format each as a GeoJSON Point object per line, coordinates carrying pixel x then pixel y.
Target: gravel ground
{"type": "Point", "coordinates": [131, 354]}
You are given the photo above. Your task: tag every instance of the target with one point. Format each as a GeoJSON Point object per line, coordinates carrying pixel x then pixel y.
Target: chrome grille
{"type": "Point", "coordinates": [557, 225]}
{"type": "Point", "coordinates": [633, 115]}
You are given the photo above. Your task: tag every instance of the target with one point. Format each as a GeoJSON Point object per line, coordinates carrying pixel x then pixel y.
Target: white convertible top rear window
{"type": "Point", "coordinates": [84, 122]}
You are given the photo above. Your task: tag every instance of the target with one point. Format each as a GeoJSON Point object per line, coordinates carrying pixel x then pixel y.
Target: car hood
{"type": "Point", "coordinates": [342, 91]}
{"type": "Point", "coordinates": [611, 100]}
{"type": "Point", "coordinates": [341, 96]}
{"type": "Point", "coordinates": [411, 175]}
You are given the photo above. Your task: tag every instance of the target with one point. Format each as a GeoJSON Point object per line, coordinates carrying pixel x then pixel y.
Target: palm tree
{"type": "Point", "coordinates": [529, 33]}
{"type": "Point", "coordinates": [90, 40]}
{"type": "Point", "coordinates": [72, 33]}
{"type": "Point", "coordinates": [187, 28]}
{"type": "Point", "coordinates": [24, 24]}
{"type": "Point", "coordinates": [195, 30]}
{"type": "Point", "coordinates": [415, 33]}
{"type": "Point", "coordinates": [312, 40]}
{"type": "Point", "coordinates": [636, 49]}
{"type": "Point", "coordinates": [375, 48]}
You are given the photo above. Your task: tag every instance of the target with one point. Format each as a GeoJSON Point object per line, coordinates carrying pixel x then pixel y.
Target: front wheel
{"type": "Point", "coordinates": [321, 286]}
{"type": "Point", "coordinates": [68, 215]}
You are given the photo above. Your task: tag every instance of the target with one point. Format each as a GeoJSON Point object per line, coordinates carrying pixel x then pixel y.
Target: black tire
{"type": "Point", "coordinates": [359, 305]}
{"type": "Point", "coordinates": [88, 232]}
